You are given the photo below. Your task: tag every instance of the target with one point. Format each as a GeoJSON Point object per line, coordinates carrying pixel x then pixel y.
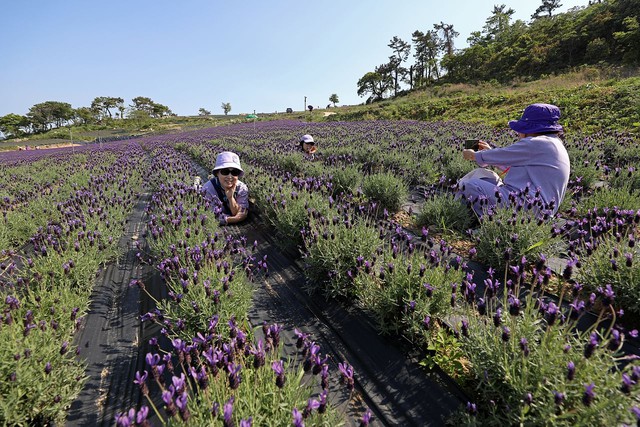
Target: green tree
{"type": "Point", "coordinates": [498, 22]}
{"type": "Point", "coordinates": [547, 6]}
{"type": "Point", "coordinates": [147, 106]}
{"type": "Point", "coordinates": [448, 34]}
{"type": "Point", "coordinates": [12, 125]}
{"type": "Point", "coordinates": [143, 104]}
{"type": "Point", "coordinates": [401, 51]}
{"type": "Point", "coordinates": [226, 107]}
{"type": "Point", "coordinates": [84, 115]}
{"type": "Point", "coordinates": [334, 98]}
{"type": "Point", "coordinates": [203, 112]}
{"type": "Point", "coordinates": [47, 114]}
{"type": "Point", "coordinates": [427, 47]}
{"type": "Point", "coordinates": [104, 105]}
{"type": "Point", "coordinates": [629, 40]}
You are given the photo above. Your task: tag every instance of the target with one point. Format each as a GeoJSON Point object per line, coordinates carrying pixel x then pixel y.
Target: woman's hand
{"type": "Point", "coordinates": [483, 145]}
{"type": "Point", "coordinates": [469, 154]}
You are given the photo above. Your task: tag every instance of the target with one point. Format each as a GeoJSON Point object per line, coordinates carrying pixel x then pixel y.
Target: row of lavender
{"type": "Point", "coordinates": [213, 368]}
{"type": "Point", "coordinates": [511, 339]}
{"type": "Point", "coordinates": [62, 217]}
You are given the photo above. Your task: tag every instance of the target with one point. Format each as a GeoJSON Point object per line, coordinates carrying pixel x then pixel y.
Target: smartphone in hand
{"type": "Point", "coordinates": [471, 144]}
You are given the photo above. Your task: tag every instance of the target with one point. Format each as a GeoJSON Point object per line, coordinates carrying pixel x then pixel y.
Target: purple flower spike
{"type": "Point", "coordinates": [278, 368]}
{"type": "Point", "coordinates": [346, 372]}
{"type": "Point", "coordinates": [558, 398]}
{"type": "Point", "coordinates": [297, 418]}
{"type": "Point", "coordinates": [571, 371]}
{"type": "Point", "coordinates": [228, 413]}
{"type": "Point", "coordinates": [366, 419]}
{"type": "Point", "coordinates": [589, 395]}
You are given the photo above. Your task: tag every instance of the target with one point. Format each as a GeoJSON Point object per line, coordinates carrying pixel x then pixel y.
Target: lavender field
{"type": "Point", "coordinates": [533, 318]}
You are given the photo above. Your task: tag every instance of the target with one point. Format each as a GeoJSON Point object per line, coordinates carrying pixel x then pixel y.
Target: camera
{"type": "Point", "coordinates": [471, 144]}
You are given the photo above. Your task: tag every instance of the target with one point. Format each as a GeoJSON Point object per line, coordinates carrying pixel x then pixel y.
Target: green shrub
{"type": "Point", "coordinates": [531, 387]}
{"type": "Point", "coordinates": [622, 197]}
{"type": "Point", "coordinates": [615, 263]}
{"type": "Point", "coordinates": [386, 189]}
{"type": "Point", "coordinates": [290, 162]}
{"type": "Point", "coordinates": [401, 289]}
{"type": "Point", "coordinates": [333, 249]}
{"type": "Point", "coordinates": [345, 180]}
{"type": "Point", "coordinates": [445, 212]}
{"type": "Point", "coordinates": [508, 235]}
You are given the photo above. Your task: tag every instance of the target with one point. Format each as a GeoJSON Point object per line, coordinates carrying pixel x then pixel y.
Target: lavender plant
{"type": "Point", "coordinates": [443, 212]}
{"type": "Point", "coordinates": [532, 365]}
{"type": "Point", "coordinates": [508, 233]}
{"type": "Point", "coordinates": [612, 261]}
{"type": "Point", "coordinates": [385, 189]}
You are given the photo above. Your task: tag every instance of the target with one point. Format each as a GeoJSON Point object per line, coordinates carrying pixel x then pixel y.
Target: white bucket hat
{"type": "Point", "coordinates": [227, 159]}
{"type": "Point", "coordinates": [306, 138]}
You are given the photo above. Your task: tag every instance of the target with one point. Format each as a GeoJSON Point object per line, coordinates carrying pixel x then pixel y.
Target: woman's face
{"type": "Point", "coordinates": [228, 177]}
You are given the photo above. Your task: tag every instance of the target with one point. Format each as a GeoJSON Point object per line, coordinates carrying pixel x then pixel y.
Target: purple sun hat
{"type": "Point", "coordinates": [538, 118]}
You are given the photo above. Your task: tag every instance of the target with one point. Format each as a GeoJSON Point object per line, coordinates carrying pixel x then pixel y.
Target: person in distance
{"type": "Point", "coordinates": [308, 146]}
{"type": "Point", "coordinates": [538, 163]}
{"type": "Point", "coordinates": [228, 195]}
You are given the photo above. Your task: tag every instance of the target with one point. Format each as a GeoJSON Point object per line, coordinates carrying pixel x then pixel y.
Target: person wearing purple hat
{"type": "Point", "coordinates": [228, 195]}
{"type": "Point", "coordinates": [538, 161]}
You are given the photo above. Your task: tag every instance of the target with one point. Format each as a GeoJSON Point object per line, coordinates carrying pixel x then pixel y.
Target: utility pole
{"type": "Point", "coordinates": [305, 104]}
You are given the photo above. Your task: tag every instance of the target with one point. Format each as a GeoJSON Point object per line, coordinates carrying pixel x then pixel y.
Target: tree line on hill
{"type": "Point", "coordinates": [49, 115]}
{"type": "Point", "coordinates": [605, 31]}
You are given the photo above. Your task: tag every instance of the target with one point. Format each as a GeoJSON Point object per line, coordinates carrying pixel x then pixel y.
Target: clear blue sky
{"type": "Point", "coordinates": [257, 55]}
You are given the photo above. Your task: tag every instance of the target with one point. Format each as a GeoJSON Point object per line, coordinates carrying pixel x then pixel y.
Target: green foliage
{"type": "Point", "coordinates": [444, 212]}
{"type": "Point", "coordinates": [519, 364]}
{"type": "Point", "coordinates": [402, 289]}
{"type": "Point", "coordinates": [386, 189]}
{"type": "Point", "coordinates": [446, 353]}
{"type": "Point", "coordinates": [623, 197]}
{"type": "Point", "coordinates": [613, 261]}
{"type": "Point", "coordinates": [509, 235]}
{"type": "Point", "coordinates": [332, 254]}
{"type": "Point", "coordinates": [30, 394]}
{"type": "Point", "coordinates": [291, 162]}
{"type": "Point", "coordinates": [345, 180]}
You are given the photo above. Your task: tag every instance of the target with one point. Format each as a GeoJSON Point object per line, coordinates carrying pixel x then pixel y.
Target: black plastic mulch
{"type": "Point", "coordinates": [112, 341]}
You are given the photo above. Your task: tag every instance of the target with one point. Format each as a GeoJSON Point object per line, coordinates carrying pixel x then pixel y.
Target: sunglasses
{"type": "Point", "coordinates": [234, 172]}
{"type": "Point", "coordinates": [309, 143]}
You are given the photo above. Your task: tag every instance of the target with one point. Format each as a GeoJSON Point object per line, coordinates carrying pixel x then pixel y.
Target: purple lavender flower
{"type": "Point", "coordinates": [551, 313]}
{"type": "Point", "coordinates": [346, 378]}
{"type": "Point", "coordinates": [278, 368]}
{"type": "Point", "coordinates": [472, 409]}
{"type": "Point", "coordinates": [591, 345]}
{"type": "Point", "coordinates": [571, 371]}
{"type": "Point", "coordinates": [497, 317]}
{"type": "Point", "coordinates": [589, 395]}
{"type": "Point", "coordinates": [558, 397]}
{"type": "Point", "coordinates": [297, 418]}
{"type": "Point", "coordinates": [366, 419]}
{"type": "Point", "coordinates": [627, 383]}
{"type": "Point", "coordinates": [228, 413]}
{"type": "Point", "coordinates": [234, 375]}
{"type": "Point", "coordinates": [524, 346]}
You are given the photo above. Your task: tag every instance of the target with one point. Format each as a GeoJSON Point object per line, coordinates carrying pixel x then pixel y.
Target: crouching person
{"type": "Point", "coordinates": [228, 195]}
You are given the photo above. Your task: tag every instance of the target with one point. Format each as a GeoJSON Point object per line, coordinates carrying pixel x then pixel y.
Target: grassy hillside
{"type": "Point", "coordinates": [590, 99]}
